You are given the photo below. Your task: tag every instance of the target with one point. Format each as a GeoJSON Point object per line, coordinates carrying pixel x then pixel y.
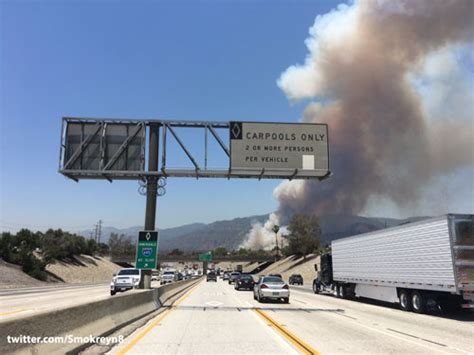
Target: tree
{"type": "Point", "coordinates": [220, 251]}
{"type": "Point", "coordinates": [120, 245]}
{"type": "Point", "coordinates": [304, 234]}
{"type": "Point", "coordinates": [175, 252]}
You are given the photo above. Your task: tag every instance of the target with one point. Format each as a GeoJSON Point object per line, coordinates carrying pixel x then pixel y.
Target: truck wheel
{"type": "Point", "coordinates": [337, 290]}
{"type": "Point", "coordinates": [112, 293]}
{"type": "Point", "coordinates": [418, 302]}
{"type": "Point", "coordinates": [286, 300]}
{"type": "Point", "coordinates": [342, 291]}
{"type": "Point", "coordinates": [315, 289]}
{"type": "Point", "coordinates": [405, 302]}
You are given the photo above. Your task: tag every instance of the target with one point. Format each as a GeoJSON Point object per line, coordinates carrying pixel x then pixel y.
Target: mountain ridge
{"type": "Point", "coordinates": [230, 234]}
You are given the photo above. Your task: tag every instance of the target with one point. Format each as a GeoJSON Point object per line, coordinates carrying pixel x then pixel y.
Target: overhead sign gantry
{"type": "Point", "coordinates": [115, 149]}
{"type": "Point", "coordinates": [128, 149]}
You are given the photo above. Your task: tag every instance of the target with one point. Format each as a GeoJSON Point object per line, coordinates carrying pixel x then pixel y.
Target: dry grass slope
{"type": "Point", "coordinates": [84, 269]}
{"type": "Point", "coordinates": [11, 276]}
{"type": "Point", "coordinates": [293, 265]}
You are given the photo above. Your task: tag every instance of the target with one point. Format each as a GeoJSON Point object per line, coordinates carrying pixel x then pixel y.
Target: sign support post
{"type": "Point", "coordinates": [151, 193]}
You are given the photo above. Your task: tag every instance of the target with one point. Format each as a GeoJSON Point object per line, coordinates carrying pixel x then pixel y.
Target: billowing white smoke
{"type": "Point", "coordinates": [394, 82]}
{"type": "Point", "coordinates": [263, 236]}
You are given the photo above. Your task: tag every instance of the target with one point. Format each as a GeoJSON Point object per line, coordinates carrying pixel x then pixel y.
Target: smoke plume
{"type": "Point", "coordinates": [363, 65]}
{"type": "Point", "coordinates": [262, 236]}
{"type": "Point", "coordinates": [394, 82]}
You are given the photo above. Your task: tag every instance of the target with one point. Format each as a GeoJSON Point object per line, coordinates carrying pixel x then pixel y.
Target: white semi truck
{"type": "Point", "coordinates": [419, 265]}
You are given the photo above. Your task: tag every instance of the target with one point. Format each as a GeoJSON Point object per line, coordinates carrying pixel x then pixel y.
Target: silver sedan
{"type": "Point", "coordinates": [271, 287]}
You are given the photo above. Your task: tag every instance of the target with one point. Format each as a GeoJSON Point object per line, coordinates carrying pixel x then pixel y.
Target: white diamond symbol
{"type": "Point", "coordinates": [148, 236]}
{"type": "Point", "coordinates": [236, 130]}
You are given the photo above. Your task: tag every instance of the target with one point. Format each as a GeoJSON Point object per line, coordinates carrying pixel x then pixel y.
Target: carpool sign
{"type": "Point", "coordinates": [147, 249]}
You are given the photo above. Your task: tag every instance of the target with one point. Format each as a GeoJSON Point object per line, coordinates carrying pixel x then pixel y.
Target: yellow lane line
{"type": "Point", "coordinates": [155, 323]}
{"type": "Point", "coordinates": [305, 348]}
{"type": "Point", "coordinates": [12, 312]}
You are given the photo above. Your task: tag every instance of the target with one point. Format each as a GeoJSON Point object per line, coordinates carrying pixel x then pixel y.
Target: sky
{"type": "Point", "coordinates": [192, 60]}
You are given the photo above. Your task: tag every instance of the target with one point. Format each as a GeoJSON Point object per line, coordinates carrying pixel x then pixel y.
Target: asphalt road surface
{"type": "Point", "coordinates": [213, 318]}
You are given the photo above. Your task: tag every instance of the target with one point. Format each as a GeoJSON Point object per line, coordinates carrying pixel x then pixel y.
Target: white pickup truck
{"type": "Point", "coordinates": [168, 277]}
{"type": "Point", "coordinates": [124, 280]}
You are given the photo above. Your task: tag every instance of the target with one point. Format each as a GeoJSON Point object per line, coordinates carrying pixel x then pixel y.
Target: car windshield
{"type": "Point", "coordinates": [246, 277]}
{"type": "Point", "coordinates": [235, 273]}
{"type": "Point", "coordinates": [129, 272]}
{"type": "Point", "coordinates": [168, 273]}
{"type": "Point", "coordinates": [272, 279]}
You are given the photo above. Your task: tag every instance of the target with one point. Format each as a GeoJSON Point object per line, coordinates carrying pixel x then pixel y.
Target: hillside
{"type": "Point", "coordinates": [83, 269]}
{"type": "Point", "coordinates": [229, 234]}
{"type": "Point", "coordinates": [11, 276]}
{"type": "Point", "coordinates": [165, 234]}
{"type": "Point", "coordinates": [232, 233]}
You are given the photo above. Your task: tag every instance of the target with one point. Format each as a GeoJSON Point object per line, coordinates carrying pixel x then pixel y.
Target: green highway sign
{"type": "Point", "coordinates": [205, 257]}
{"type": "Point", "coordinates": [147, 250]}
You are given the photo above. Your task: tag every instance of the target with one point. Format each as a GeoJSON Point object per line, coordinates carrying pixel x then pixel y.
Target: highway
{"type": "Point", "coordinates": [213, 318]}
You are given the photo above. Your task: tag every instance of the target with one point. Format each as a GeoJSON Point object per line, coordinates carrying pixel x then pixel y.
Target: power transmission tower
{"type": "Point", "coordinates": [96, 227]}
{"type": "Point", "coordinates": [99, 231]}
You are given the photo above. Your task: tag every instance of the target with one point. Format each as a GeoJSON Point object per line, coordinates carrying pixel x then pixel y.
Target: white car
{"type": "Point", "coordinates": [271, 287]}
{"type": "Point", "coordinates": [168, 277]}
{"type": "Point", "coordinates": [124, 280]}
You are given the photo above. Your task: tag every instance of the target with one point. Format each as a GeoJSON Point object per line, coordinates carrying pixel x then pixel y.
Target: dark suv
{"type": "Point", "coordinates": [296, 279]}
{"type": "Point", "coordinates": [233, 276]}
{"type": "Point", "coordinates": [244, 281]}
{"type": "Point", "coordinates": [211, 276]}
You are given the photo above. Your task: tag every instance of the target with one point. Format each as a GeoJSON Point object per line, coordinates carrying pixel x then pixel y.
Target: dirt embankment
{"type": "Point", "coordinates": [286, 267]}
{"type": "Point", "coordinates": [81, 269]}
{"type": "Point", "coordinates": [84, 269]}
{"type": "Point", "coordinates": [11, 276]}
{"type": "Point", "coordinates": [294, 265]}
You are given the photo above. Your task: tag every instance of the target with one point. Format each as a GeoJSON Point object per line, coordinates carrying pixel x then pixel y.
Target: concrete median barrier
{"type": "Point", "coordinates": [98, 318]}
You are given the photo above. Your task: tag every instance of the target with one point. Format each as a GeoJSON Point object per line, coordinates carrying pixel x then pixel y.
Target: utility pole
{"type": "Point", "coordinates": [151, 193]}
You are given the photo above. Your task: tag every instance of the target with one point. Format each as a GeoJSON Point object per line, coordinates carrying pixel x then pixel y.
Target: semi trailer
{"type": "Point", "coordinates": [421, 265]}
